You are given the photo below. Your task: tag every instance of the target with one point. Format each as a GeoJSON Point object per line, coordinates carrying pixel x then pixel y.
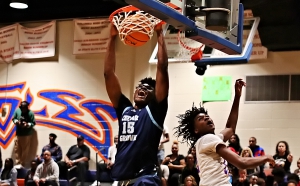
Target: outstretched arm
{"type": "Point", "coordinates": [234, 113]}
{"type": "Point", "coordinates": [162, 76]}
{"type": "Point", "coordinates": [113, 87]}
{"type": "Point", "coordinates": [242, 162]}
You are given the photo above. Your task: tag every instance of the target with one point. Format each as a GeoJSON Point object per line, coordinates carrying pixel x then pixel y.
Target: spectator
{"type": "Point", "coordinates": [165, 174]}
{"type": "Point", "coordinates": [78, 155]}
{"type": "Point", "coordinates": [9, 173]}
{"type": "Point", "coordinates": [106, 167]}
{"type": "Point", "coordinates": [161, 149]}
{"type": "Point", "coordinates": [31, 172]}
{"type": "Point", "coordinates": [190, 169]}
{"type": "Point", "coordinates": [297, 171]}
{"type": "Point", "coordinates": [283, 157]}
{"type": "Point", "coordinates": [190, 181]}
{"type": "Point", "coordinates": [257, 151]}
{"type": "Point", "coordinates": [56, 152]}
{"type": "Point", "coordinates": [46, 173]}
{"type": "Point", "coordinates": [295, 178]}
{"type": "Point", "coordinates": [279, 174]}
{"type": "Point", "coordinates": [242, 180]}
{"type": "Point", "coordinates": [24, 120]}
{"type": "Point", "coordinates": [176, 163]}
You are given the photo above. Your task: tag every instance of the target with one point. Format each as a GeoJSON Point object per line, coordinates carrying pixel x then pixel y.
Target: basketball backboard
{"type": "Point", "coordinates": [226, 38]}
{"type": "Point", "coordinates": [210, 56]}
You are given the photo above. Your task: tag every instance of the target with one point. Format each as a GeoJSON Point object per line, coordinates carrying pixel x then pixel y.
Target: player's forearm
{"type": "Point", "coordinates": [165, 140]}
{"type": "Point", "coordinates": [162, 56]}
{"type": "Point", "coordinates": [110, 58]}
{"type": "Point", "coordinates": [252, 162]}
{"type": "Point", "coordinates": [234, 114]}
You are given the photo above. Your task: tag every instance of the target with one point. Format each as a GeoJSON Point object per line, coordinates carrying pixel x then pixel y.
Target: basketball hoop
{"type": "Point", "coordinates": [187, 52]}
{"type": "Point", "coordinates": [135, 27]}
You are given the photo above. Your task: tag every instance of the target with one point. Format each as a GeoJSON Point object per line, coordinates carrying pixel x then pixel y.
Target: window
{"type": "Point", "coordinates": [273, 88]}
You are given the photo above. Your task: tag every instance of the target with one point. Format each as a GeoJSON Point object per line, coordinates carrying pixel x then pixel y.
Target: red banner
{"type": "Point", "coordinates": [9, 43]}
{"type": "Point", "coordinates": [91, 36]}
{"type": "Point", "coordinates": [37, 42]}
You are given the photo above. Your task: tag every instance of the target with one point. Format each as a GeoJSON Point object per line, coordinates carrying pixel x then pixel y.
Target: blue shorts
{"type": "Point", "coordinates": [147, 180]}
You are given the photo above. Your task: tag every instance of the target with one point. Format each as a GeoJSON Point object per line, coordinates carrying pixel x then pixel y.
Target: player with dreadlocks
{"type": "Point", "coordinates": [197, 128]}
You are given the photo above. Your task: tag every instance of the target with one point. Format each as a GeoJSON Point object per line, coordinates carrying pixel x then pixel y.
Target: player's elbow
{"type": "Point", "coordinates": [163, 66]}
{"type": "Point", "coordinates": [108, 73]}
{"type": "Point", "coordinates": [241, 163]}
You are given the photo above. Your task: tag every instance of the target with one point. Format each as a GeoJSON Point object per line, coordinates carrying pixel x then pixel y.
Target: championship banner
{"type": "Point", "coordinates": [9, 44]}
{"type": "Point", "coordinates": [91, 36]}
{"type": "Point", "coordinates": [37, 42]}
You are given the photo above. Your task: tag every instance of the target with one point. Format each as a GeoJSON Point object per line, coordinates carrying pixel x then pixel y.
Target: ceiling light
{"type": "Point", "coordinates": [19, 4]}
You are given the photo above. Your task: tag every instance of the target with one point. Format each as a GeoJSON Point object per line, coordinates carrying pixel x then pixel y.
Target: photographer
{"type": "Point", "coordinates": [24, 121]}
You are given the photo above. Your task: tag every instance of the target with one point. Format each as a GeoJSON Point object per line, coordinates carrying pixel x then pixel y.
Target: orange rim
{"type": "Point", "coordinates": [134, 9]}
{"type": "Point", "coordinates": [193, 50]}
{"type": "Point", "coordinates": [123, 9]}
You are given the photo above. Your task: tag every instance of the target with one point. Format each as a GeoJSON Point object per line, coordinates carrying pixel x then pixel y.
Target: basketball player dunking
{"type": "Point", "coordinates": [141, 124]}
{"type": "Point", "coordinates": [197, 128]}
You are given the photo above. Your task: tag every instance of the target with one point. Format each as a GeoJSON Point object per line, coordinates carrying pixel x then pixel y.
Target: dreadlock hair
{"type": "Point", "coordinates": [149, 80]}
{"type": "Point", "coordinates": [186, 128]}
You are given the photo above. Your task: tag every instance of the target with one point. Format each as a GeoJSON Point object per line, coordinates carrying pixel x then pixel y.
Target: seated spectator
{"type": "Point", "coordinates": [106, 167]}
{"type": "Point", "coordinates": [279, 174]}
{"type": "Point", "coordinates": [165, 174]}
{"type": "Point", "coordinates": [295, 178]}
{"type": "Point", "coordinates": [176, 163]}
{"type": "Point", "coordinates": [190, 169]}
{"type": "Point", "coordinates": [292, 183]}
{"type": "Point", "coordinates": [297, 171]}
{"type": "Point", "coordinates": [242, 180]}
{"type": "Point", "coordinates": [283, 157]}
{"type": "Point", "coordinates": [254, 181]}
{"type": "Point", "coordinates": [55, 149]}
{"type": "Point", "coordinates": [46, 173]}
{"type": "Point", "coordinates": [78, 155]}
{"type": "Point", "coordinates": [192, 151]}
{"type": "Point", "coordinates": [190, 181]}
{"type": "Point", "coordinates": [9, 173]}
{"type": "Point", "coordinates": [31, 172]}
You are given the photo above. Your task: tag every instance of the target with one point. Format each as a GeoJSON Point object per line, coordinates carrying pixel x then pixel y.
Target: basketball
{"type": "Point", "coordinates": [135, 28]}
{"type": "Point", "coordinates": [136, 39]}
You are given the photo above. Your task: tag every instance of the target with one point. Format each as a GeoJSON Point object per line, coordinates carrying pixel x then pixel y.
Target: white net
{"type": "Point", "coordinates": [187, 47]}
{"type": "Point", "coordinates": [134, 21]}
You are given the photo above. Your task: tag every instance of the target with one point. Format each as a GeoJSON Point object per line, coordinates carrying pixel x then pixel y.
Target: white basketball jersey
{"type": "Point", "coordinates": [213, 170]}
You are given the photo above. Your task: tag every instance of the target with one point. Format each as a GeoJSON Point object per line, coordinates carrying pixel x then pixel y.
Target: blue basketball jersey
{"type": "Point", "coordinates": [139, 136]}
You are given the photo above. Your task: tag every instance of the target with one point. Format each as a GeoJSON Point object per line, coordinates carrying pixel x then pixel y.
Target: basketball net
{"type": "Point", "coordinates": [127, 22]}
{"type": "Point", "coordinates": [189, 50]}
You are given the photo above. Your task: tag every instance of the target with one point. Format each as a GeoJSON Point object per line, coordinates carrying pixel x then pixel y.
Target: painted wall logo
{"type": "Point", "coordinates": [68, 114]}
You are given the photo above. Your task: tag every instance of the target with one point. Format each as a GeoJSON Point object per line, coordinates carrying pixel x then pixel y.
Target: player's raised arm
{"type": "Point", "coordinates": [113, 87]}
{"type": "Point", "coordinates": [234, 113]}
{"type": "Point", "coordinates": [162, 76]}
